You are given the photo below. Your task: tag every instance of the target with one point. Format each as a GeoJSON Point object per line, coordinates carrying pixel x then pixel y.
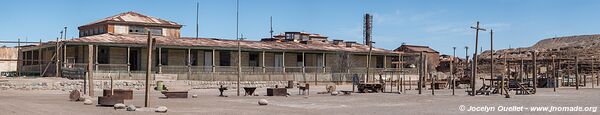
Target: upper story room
{"type": "Point", "coordinates": [131, 23]}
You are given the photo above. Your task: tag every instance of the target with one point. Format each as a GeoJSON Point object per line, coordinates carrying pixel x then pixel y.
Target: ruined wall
{"type": "Point", "coordinates": [8, 53]}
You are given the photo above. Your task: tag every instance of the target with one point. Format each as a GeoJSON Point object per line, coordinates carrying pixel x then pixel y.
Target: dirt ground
{"type": "Point", "coordinates": [54, 102]}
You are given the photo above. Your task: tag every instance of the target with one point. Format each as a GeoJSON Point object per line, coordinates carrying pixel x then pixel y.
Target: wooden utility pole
{"type": "Point", "coordinates": [237, 24]}
{"type": "Point", "coordinates": [452, 69]}
{"type": "Point", "coordinates": [576, 73]}
{"type": "Point", "coordinates": [534, 55]}
{"type": "Point", "coordinates": [90, 71]}
{"type": "Point", "coordinates": [492, 58]}
{"type": "Point", "coordinates": [148, 70]}
{"type": "Point", "coordinates": [556, 85]}
{"type": "Point", "coordinates": [554, 73]}
{"type": "Point", "coordinates": [477, 29]}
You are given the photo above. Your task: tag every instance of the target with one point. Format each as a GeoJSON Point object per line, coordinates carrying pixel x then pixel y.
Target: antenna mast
{"type": "Point", "coordinates": [271, 23]}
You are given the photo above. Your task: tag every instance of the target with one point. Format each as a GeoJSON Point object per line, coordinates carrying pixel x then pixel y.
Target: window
{"type": "Point", "coordinates": [299, 59]}
{"type": "Point", "coordinates": [103, 55]}
{"type": "Point", "coordinates": [155, 31]}
{"type": "Point", "coordinates": [253, 59]}
{"type": "Point", "coordinates": [379, 63]}
{"type": "Point", "coordinates": [142, 30]}
{"type": "Point", "coordinates": [164, 56]}
{"type": "Point", "coordinates": [194, 57]}
{"type": "Point", "coordinates": [136, 29]}
{"type": "Point", "coordinates": [224, 58]}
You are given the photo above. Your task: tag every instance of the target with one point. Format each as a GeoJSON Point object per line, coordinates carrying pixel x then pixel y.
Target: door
{"type": "Point", "coordinates": [278, 62]}
{"type": "Point", "coordinates": [134, 60]}
{"type": "Point", "coordinates": [208, 61]}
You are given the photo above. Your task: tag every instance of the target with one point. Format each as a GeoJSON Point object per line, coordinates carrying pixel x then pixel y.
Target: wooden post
{"type": "Point", "coordinates": [576, 74]}
{"type": "Point", "coordinates": [213, 61]}
{"type": "Point", "coordinates": [324, 62]}
{"type": "Point", "coordinates": [554, 74]}
{"type": "Point", "coordinates": [492, 59]}
{"type": "Point", "coordinates": [264, 69]}
{"type": "Point", "coordinates": [432, 84]}
{"type": "Point", "coordinates": [159, 60]}
{"type": "Point", "coordinates": [96, 57]}
{"type": "Point", "coordinates": [452, 69]}
{"type": "Point", "coordinates": [40, 59]}
{"type": "Point", "coordinates": [189, 63]}
{"type": "Point", "coordinates": [283, 64]}
{"type": "Point", "coordinates": [128, 61]}
{"type": "Point", "coordinates": [303, 67]}
{"type": "Point", "coordinates": [90, 71]}
{"type": "Point", "coordinates": [473, 73]}
{"type": "Point", "coordinates": [558, 74]}
{"type": "Point", "coordinates": [148, 70]}
{"type": "Point", "coordinates": [421, 72]}
{"type": "Point", "coordinates": [57, 62]}
{"type": "Point", "coordinates": [535, 71]}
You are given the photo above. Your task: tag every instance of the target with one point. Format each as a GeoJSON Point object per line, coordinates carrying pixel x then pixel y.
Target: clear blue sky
{"type": "Point", "coordinates": [440, 24]}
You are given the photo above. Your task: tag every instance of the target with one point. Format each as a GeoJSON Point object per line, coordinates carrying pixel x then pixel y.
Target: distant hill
{"type": "Point", "coordinates": [583, 46]}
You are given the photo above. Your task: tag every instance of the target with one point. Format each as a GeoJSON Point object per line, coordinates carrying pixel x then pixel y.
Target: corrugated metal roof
{"type": "Point", "coordinates": [134, 17]}
{"type": "Point", "coordinates": [223, 43]}
{"type": "Point", "coordinates": [416, 48]}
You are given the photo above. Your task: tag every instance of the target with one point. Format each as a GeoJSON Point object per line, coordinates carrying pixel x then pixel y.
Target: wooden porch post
{"type": "Point", "coordinates": [96, 57]}
{"type": "Point", "coordinates": [323, 62]}
{"type": "Point", "coordinates": [303, 68]}
{"type": "Point", "coordinates": [159, 60]}
{"type": "Point", "coordinates": [263, 62]}
{"type": "Point", "coordinates": [283, 62]}
{"type": "Point", "coordinates": [128, 61]}
{"type": "Point", "coordinates": [189, 63]}
{"type": "Point", "coordinates": [40, 59]}
{"type": "Point", "coordinates": [213, 62]}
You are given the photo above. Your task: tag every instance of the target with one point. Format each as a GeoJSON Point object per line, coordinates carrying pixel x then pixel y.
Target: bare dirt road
{"type": "Point", "coordinates": [54, 102]}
